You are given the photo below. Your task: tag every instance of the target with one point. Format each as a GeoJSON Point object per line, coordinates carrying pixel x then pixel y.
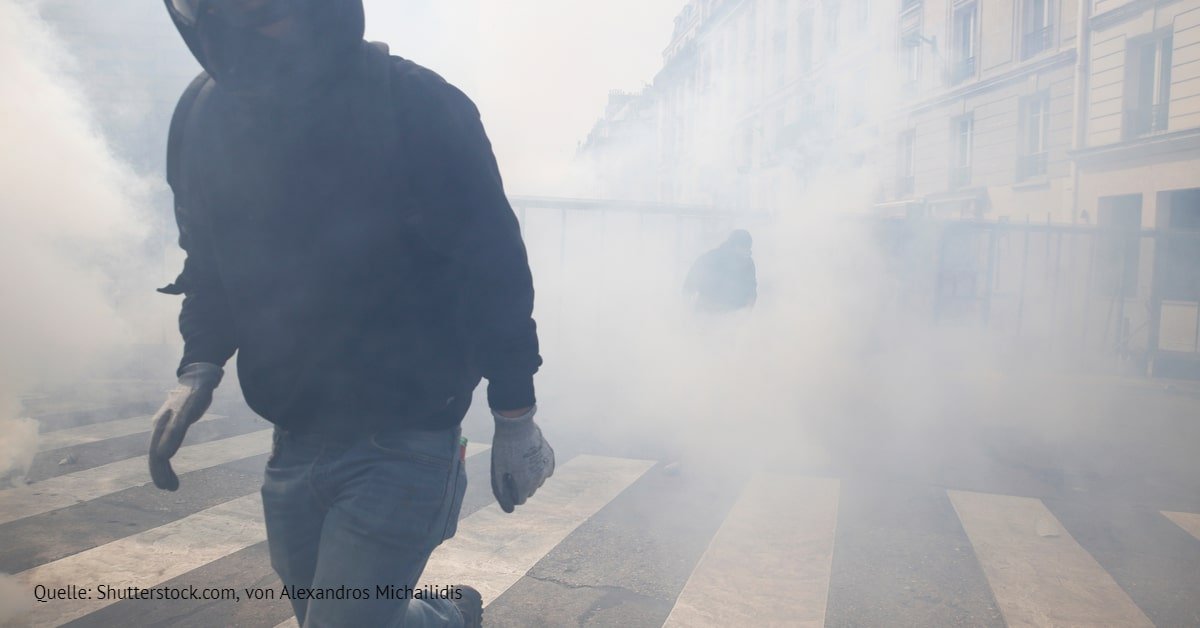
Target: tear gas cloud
{"type": "Point", "coordinates": [539, 70]}
{"type": "Point", "coordinates": [832, 364]}
{"type": "Point", "coordinates": [72, 221]}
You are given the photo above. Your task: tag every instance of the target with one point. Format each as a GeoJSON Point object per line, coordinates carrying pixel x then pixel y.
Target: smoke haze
{"type": "Point", "coordinates": [838, 367]}
{"type": "Point", "coordinates": [539, 70]}
{"type": "Point", "coordinates": [72, 219]}
{"type": "Point", "coordinates": [827, 328]}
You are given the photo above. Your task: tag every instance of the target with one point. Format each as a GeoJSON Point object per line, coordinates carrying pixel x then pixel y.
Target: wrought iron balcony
{"type": "Point", "coordinates": [964, 69]}
{"type": "Point", "coordinates": [1034, 42]}
{"type": "Point", "coordinates": [1032, 165]}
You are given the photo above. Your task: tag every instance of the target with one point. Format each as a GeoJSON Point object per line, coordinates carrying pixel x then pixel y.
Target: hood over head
{"type": "Point", "coordinates": [739, 240]}
{"type": "Point", "coordinates": [270, 46]}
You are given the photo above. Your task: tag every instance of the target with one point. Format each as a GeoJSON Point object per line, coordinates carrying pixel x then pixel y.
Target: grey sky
{"type": "Point", "coordinates": [540, 70]}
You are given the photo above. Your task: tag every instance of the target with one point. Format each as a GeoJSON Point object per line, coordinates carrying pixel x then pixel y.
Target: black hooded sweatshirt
{"type": "Point", "coordinates": [352, 242]}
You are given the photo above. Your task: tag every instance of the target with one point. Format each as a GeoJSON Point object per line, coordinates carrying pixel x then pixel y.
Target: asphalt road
{"type": "Point", "coordinates": [1089, 521]}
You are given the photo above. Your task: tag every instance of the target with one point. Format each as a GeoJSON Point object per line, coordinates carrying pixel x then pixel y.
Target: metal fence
{"type": "Point", "coordinates": [1124, 300]}
{"type": "Point", "coordinates": [1112, 299]}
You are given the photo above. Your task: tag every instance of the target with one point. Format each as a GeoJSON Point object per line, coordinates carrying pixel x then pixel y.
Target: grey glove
{"type": "Point", "coordinates": [185, 405]}
{"type": "Point", "coordinates": [521, 459]}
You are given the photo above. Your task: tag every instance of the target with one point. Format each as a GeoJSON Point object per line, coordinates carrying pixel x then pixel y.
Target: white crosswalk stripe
{"type": "Point", "coordinates": [770, 562]}
{"type": "Point", "coordinates": [1039, 574]}
{"type": "Point", "coordinates": [155, 556]}
{"type": "Point", "coordinates": [1186, 520]}
{"type": "Point", "coordinates": [767, 559]}
{"type": "Point", "coordinates": [96, 432]}
{"type": "Point", "coordinates": [88, 484]}
{"type": "Point", "coordinates": [492, 549]}
{"type": "Point", "coordinates": [149, 558]}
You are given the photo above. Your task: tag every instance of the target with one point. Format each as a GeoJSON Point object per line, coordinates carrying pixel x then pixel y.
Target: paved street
{"type": "Point", "coordinates": [617, 539]}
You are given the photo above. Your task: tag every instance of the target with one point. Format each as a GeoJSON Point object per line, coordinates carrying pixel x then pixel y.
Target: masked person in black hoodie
{"type": "Point", "coordinates": [348, 236]}
{"type": "Point", "coordinates": [724, 279]}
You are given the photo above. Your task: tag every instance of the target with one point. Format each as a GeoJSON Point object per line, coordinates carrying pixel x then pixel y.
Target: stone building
{"type": "Point", "coordinates": [1064, 135]}
{"type": "Point", "coordinates": [965, 108]}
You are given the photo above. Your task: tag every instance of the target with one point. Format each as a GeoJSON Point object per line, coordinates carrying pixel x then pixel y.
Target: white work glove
{"type": "Point", "coordinates": [521, 459]}
{"type": "Point", "coordinates": [185, 404]}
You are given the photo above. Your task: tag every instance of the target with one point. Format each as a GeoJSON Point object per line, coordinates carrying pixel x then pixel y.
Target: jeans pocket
{"type": "Point", "coordinates": [276, 442]}
{"type": "Point", "coordinates": [403, 446]}
{"type": "Point", "coordinates": [456, 500]}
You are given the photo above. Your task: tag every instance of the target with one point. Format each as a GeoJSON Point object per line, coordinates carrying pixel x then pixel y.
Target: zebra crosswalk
{"type": "Point", "coordinates": [611, 540]}
{"type": "Point", "coordinates": [783, 526]}
{"type": "Point", "coordinates": [1188, 521]}
{"type": "Point", "coordinates": [95, 432]}
{"type": "Point", "coordinates": [89, 484]}
{"type": "Point", "coordinates": [1038, 573]}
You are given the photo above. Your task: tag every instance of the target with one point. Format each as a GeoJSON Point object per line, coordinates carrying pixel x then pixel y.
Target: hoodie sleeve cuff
{"type": "Point", "coordinates": [510, 392]}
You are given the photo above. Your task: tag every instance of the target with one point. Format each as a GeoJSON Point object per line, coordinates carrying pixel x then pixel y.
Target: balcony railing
{"type": "Point", "coordinates": [1035, 42]}
{"type": "Point", "coordinates": [904, 185]}
{"type": "Point", "coordinates": [1139, 122]}
{"type": "Point", "coordinates": [964, 68]}
{"type": "Point", "coordinates": [960, 177]}
{"type": "Point", "coordinates": [1032, 165]}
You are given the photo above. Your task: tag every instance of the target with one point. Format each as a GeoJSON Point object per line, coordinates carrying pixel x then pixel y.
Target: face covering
{"type": "Point", "coordinates": [244, 57]}
{"type": "Point", "coordinates": [238, 13]}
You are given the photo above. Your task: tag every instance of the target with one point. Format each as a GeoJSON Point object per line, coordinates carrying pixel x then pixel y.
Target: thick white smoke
{"type": "Point", "coordinates": [540, 70]}
{"type": "Point", "coordinates": [70, 230]}
{"type": "Point", "coordinates": [834, 360]}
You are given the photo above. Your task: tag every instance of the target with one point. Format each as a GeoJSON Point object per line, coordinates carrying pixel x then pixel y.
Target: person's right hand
{"type": "Point", "coordinates": [185, 404]}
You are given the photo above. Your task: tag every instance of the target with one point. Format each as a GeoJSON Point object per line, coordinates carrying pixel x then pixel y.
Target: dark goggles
{"type": "Point", "coordinates": [236, 13]}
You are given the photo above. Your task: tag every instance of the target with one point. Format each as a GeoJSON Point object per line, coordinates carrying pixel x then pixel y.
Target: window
{"type": "Point", "coordinates": [745, 158]}
{"type": "Point", "coordinates": [864, 12]}
{"type": "Point", "coordinates": [1180, 254]}
{"type": "Point", "coordinates": [780, 57]}
{"type": "Point", "coordinates": [1035, 125]}
{"type": "Point", "coordinates": [780, 43]}
{"type": "Point", "coordinates": [779, 53]}
{"type": "Point", "coordinates": [962, 134]}
{"type": "Point", "coordinates": [906, 162]}
{"type": "Point", "coordinates": [1038, 27]}
{"type": "Point", "coordinates": [750, 76]}
{"type": "Point", "coordinates": [750, 26]}
{"type": "Point", "coordinates": [910, 59]}
{"type": "Point", "coordinates": [1148, 85]}
{"type": "Point", "coordinates": [1116, 265]}
{"type": "Point", "coordinates": [964, 41]}
{"type": "Point", "coordinates": [831, 25]}
{"type": "Point", "coordinates": [805, 41]}
{"type": "Point", "coordinates": [908, 5]}
{"type": "Point", "coordinates": [777, 136]}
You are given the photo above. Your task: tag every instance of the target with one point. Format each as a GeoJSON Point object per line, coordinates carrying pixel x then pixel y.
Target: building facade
{"type": "Point", "coordinates": [1061, 136]}
{"type": "Point", "coordinates": [964, 108]}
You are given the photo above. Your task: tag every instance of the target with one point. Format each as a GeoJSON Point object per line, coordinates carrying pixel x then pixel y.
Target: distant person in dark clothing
{"type": "Point", "coordinates": [724, 279]}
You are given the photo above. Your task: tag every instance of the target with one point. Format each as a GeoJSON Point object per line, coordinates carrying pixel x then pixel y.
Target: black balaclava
{"type": "Point", "coordinates": [228, 45]}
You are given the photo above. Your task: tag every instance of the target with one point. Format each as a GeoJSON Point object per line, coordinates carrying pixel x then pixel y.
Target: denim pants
{"type": "Point", "coordinates": [357, 517]}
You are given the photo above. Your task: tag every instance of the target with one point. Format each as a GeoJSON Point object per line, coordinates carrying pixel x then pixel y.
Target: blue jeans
{"type": "Point", "coordinates": [357, 517]}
